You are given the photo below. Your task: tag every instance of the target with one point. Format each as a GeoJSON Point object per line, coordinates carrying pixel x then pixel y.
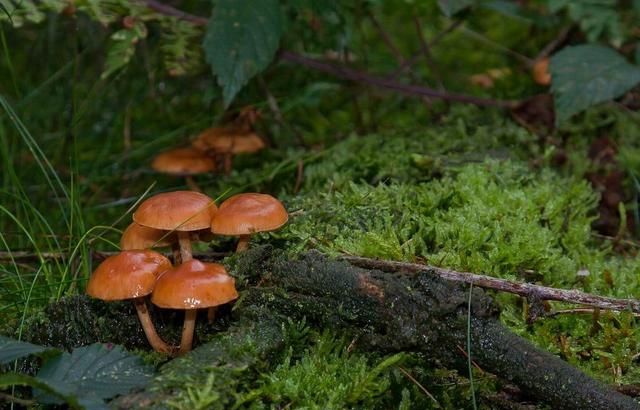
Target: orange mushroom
{"type": "Point", "coordinates": [141, 237]}
{"type": "Point", "coordinates": [179, 211]}
{"type": "Point", "coordinates": [227, 142]}
{"type": "Point", "coordinates": [184, 162]}
{"type": "Point", "coordinates": [246, 214]}
{"type": "Point", "coordinates": [131, 275]}
{"type": "Point", "coordinates": [541, 73]}
{"type": "Point", "coordinates": [192, 286]}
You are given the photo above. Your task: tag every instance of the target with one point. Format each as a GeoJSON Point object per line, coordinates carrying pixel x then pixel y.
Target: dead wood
{"type": "Point", "coordinates": [421, 313]}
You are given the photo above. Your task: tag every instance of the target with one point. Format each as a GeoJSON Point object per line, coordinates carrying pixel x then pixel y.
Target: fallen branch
{"type": "Point", "coordinates": [390, 84]}
{"type": "Point", "coordinates": [348, 73]}
{"type": "Point", "coordinates": [385, 312]}
{"type": "Point", "coordinates": [527, 290]}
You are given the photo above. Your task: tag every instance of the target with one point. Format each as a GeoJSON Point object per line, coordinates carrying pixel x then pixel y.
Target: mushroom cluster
{"type": "Point", "coordinates": [176, 219]}
{"type": "Point", "coordinates": [212, 150]}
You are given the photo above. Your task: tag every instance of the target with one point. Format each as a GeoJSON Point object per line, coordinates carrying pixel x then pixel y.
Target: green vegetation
{"type": "Point", "coordinates": [92, 90]}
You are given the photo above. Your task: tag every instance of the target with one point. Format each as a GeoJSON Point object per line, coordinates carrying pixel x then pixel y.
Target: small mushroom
{"type": "Point", "coordinates": [181, 211]}
{"type": "Point", "coordinates": [246, 214]}
{"type": "Point", "coordinates": [225, 142]}
{"type": "Point", "coordinates": [191, 286]}
{"type": "Point", "coordinates": [184, 162]}
{"type": "Point", "coordinates": [541, 73]}
{"type": "Point", "coordinates": [131, 275]}
{"type": "Point", "coordinates": [141, 237]}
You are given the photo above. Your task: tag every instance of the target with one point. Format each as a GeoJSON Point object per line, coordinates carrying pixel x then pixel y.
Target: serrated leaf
{"type": "Point", "coordinates": [11, 349]}
{"type": "Point", "coordinates": [585, 75]}
{"type": "Point", "coordinates": [241, 40]}
{"type": "Point", "coordinates": [451, 7]}
{"type": "Point", "coordinates": [93, 373]}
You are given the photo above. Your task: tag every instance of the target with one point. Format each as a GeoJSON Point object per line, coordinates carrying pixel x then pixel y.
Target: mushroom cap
{"type": "Point", "coordinates": [541, 73]}
{"type": "Point", "coordinates": [127, 275]}
{"type": "Point", "coordinates": [194, 285]}
{"type": "Point", "coordinates": [228, 139]}
{"type": "Point", "coordinates": [248, 213]}
{"type": "Point", "coordinates": [142, 237]}
{"type": "Point", "coordinates": [178, 210]}
{"type": "Point", "coordinates": [183, 161]}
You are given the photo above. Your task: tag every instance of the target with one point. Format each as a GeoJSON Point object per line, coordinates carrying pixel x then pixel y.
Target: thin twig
{"type": "Point", "coordinates": [577, 311]}
{"type": "Point", "coordinates": [382, 82]}
{"type": "Point", "coordinates": [299, 176]}
{"type": "Point", "coordinates": [11, 398]}
{"type": "Point", "coordinates": [272, 102]}
{"type": "Point", "coordinates": [386, 38]}
{"type": "Point", "coordinates": [482, 38]}
{"type": "Point", "coordinates": [428, 56]}
{"type": "Point", "coordinates": [553, 44]}
{"type": "Point", "coordinates": [523, 289]}
{"type": "Point", "coordinates": [436, 39]}
{"type": "Point", "coordinates": [349, 74]}
{"type": "Point", "coordinates": [97, 255]}
{"type": "Point", "coordinates": [417, 383]}
{"type": "Point", "coordinates": [173, 12]}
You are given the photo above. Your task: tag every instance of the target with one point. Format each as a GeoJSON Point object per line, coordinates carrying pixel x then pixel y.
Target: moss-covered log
{"type": "Point", "coordinates": [388, 312]}
{"type": "Point", "coordinates": [397, 312]}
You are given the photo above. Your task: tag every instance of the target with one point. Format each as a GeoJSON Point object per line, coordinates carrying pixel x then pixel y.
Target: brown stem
{"type": "Point", "coordinates": [390, 84]}
{"type": "Point", "coordinates": [243, 243]}
{"type": "Point", "coordinates": [172, 11]}
{"type": "Point", "coordinates": [228, 162]}
{"type": "Point", "coordinates": [184, 239]}
{"type": "Point", "coordinates": [524, 289]}
{"type": "Point", "coordinates": [175, 250]}
{"type": "Point", "coordinates": [154, 339]}
{"type": "Point", "coordinates": [211, 313]}
{"type": "Point", "coordinates": [191, 183]}
{"type": "Point", "coordinates": [188, 328]}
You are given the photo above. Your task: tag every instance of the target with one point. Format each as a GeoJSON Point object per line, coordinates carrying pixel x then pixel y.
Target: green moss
{"type": "Point", "coordinates": [497, 217]}
{"type": "Point", "coordinates": [326, 376]}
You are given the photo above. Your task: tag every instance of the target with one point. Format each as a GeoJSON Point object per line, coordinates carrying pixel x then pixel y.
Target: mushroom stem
{"type": "Point", "coordinates": [184, 239]}
{"type": "Point", "coordinates": [191, 183]}
{"type": "Point", "coordinates": [154, 339]}
{"type": "Point", "coordinates": [187, 330]}
{"type": "Point", "coordinates": [228, 164]}
{"type": "Point", "coordinates": [243, 243]}
{"type": "Point", "coordinates": [175, 250]}
{"type": "Point", "coordinates": [211, 313]}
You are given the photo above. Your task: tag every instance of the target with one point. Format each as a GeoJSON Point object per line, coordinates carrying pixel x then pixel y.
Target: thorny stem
{"type": "Point", "coordinates": [154, 339]}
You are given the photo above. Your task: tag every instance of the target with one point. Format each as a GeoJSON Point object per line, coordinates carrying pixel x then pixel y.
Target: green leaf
{"type": "Point", "coordinates": [241, 40]}
{"type": "Point", "coordinates": [585, 75]}
{"type": "Point", "coordinates": [14, 379]}
{"type": "Point", "coordinates": [93, 373]}
{"type": "Point", "coordinates": [122, 48]}
{"type": "Point", "coordinates": [11, 349]}
{"type": "Point", "coordinates": [451, 7]}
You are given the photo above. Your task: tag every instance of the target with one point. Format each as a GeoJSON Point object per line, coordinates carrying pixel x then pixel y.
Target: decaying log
{"type": "Point", "coordinates": [388, 312]}
{"type": "Point", "coordinates": [399, 312]}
